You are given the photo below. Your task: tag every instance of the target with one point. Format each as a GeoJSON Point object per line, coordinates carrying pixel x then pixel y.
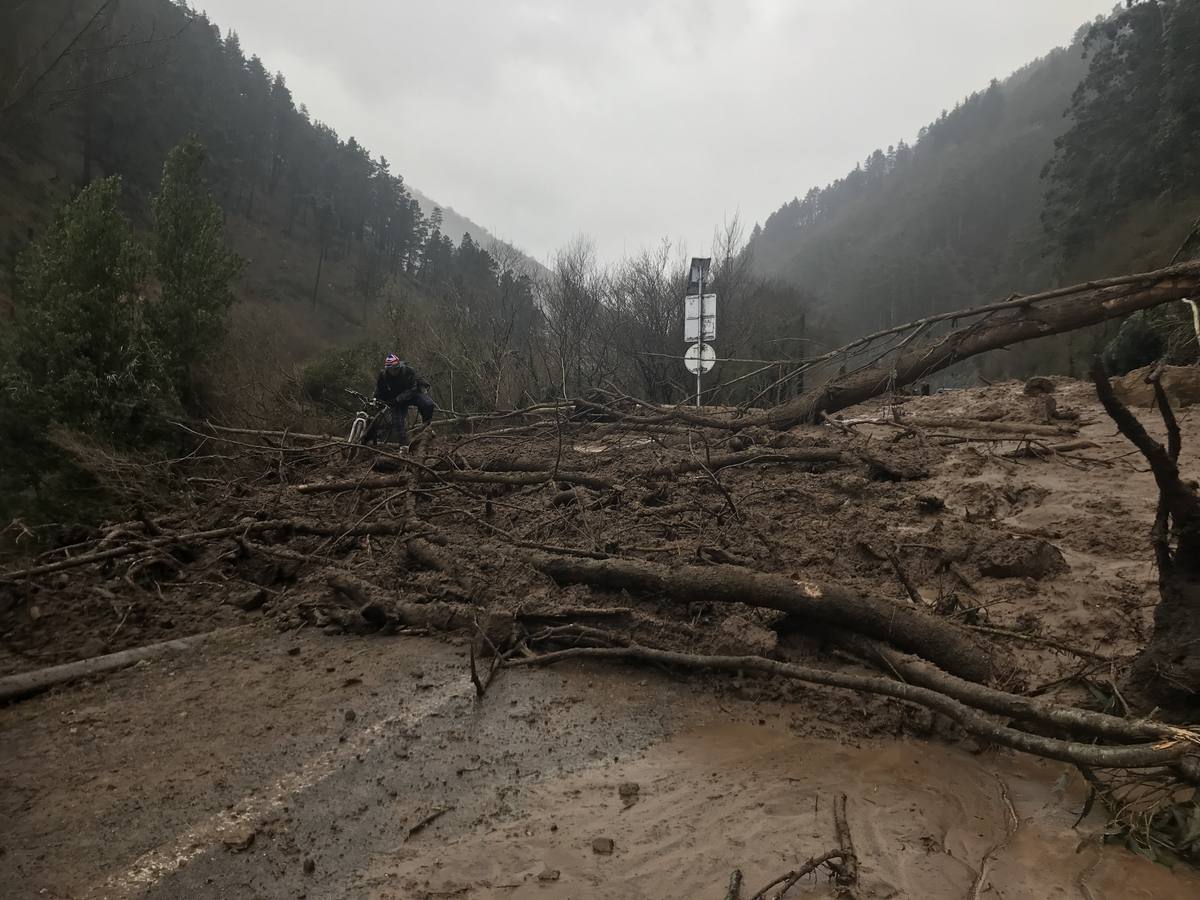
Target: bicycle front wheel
{"type": "Point", "coordinates": [355, 438]}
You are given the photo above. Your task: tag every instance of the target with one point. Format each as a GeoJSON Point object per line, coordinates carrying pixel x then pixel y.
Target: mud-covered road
{"type": "Point", "coordinates": [263, 765]}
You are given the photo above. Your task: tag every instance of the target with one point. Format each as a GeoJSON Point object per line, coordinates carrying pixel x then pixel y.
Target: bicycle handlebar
{"type": "Point", "coordinates": [363, 398]}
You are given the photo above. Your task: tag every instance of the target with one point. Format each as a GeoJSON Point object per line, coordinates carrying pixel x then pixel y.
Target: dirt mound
{"type": "Point", "coordinates": [973, 522]}
{"type": "Point", "coordinates": [828, 566]}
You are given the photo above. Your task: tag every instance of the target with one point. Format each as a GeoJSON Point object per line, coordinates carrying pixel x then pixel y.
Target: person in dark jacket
{"type": "Point", "coordinates": [400, 386]}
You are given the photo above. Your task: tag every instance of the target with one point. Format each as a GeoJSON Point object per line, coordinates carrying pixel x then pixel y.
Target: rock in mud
{"type": "Point", "coordinates": [549, 875]}
{"type": "Point", "coordinates": [738, 635]}
{"type": "Point", "coordinates": [239, 841]}
{"type": "Point", "coordinates": [310, 866]}
{"type": "Point", "coordinates": [603, 845]}
{"type": "Point", "coordinates": [628, 792]}
{"type": "Point", "coordinates": [990, 412]}
{"type": "Point", "coordinates": [1039, 385]}
{"type": "Point", "coordinates": [250, 600]}
{"type": "Point", "coordinates": [1020, 557]}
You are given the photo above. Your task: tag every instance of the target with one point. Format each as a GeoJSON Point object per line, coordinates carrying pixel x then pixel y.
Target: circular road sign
{"type": "Point", "coordinates": [700, 358]}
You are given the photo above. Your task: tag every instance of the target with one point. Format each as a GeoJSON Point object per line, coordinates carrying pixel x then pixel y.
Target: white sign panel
{"type": "Point", "coordinates": [691, 318]}
{"type": "Point", "coordinates": [700, 358]}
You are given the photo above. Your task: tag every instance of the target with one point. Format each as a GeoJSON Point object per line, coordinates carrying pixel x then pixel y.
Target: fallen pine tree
{"type": "Point", "coordinates": [915, 354]}
{"type": "Point", "coordinates": [996, 325]}
{"type": "Point", "coordinates": [1152, 753]}
{"type": "Point", "coordinates": [938, 640]}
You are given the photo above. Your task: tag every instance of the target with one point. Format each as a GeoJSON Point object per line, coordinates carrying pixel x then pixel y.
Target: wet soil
{"type": "Point", "coordinates": [277, 761]}
{"type": "Point", "coordinates": [287, 766]}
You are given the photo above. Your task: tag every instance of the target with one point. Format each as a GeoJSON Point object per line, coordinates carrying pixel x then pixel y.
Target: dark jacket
{"type": "Point", "coordinates": [397, 381]}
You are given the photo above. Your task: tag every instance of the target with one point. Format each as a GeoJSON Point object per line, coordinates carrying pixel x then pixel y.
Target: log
{"type": "Point", "coordinates": [27, 684]}
{"type": "Point", "coordinates": [1031, 709]}
{"type": "Point", "coordinates": [464, 476]}
{"type": "Point", "coordinates": [1033, 316]}
{"type": "Point", "coordinates": [937, 640]}
{"type": "Point", "coordinates": [847, 875]}
{"type": "Point", "coordinates": [1020, 429]}
{"type": "Point", "coordinates": [1132, 756]}
{"type": "Point", "coordinates": [251, 527]}
{"type": "Point", "coordinates": [278, 435]}
{"type": "Point", "coordinates": [380, 610]}
{"type": "Point", "coordinates": [760, 455]}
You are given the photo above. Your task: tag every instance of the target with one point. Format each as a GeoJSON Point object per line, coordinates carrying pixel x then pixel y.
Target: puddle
{"type": "Point", "coordinates": [928, 822]}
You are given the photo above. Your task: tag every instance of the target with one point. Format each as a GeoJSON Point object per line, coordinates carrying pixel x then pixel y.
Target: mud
{"type": "Point", "coordinates": [278, 761]}
{"type": "Point", "coordinates": [287, 766]}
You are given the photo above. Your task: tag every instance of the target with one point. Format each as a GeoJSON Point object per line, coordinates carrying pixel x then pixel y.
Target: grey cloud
{"type": "Point", "coordinates": [631, 120]}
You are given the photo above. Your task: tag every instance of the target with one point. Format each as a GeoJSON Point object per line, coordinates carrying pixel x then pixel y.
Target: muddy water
{"type": "Point", "coordinates": [928, 822]}
{"type": "Point", "coordinates": [286, 766]}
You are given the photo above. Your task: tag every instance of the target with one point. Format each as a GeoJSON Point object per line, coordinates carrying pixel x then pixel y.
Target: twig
{"type": "Point", "coordinates": [734, 892]}
{"type": "Point", "coordinates": [427, 821]}
{"type": "Point", "coordinates": [1011, 824]}
{"type": "Point", "coordinates": [789, 879]}
{"type": "Point", "coordinates": [479, 688]}
{"type": "Point", "coordinates": [909, 587]}
{"type": "Point", "coordinates": [1041, 641]}
{"type": "Point", "coordinates": [847, 875]}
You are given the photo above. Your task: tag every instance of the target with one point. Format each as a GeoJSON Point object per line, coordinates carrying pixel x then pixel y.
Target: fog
{"type": "Point", "coordinates": [632, 121]}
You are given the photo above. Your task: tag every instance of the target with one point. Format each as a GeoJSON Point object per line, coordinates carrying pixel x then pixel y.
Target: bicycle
{"type": "Point", "coordinates": [370, 418]}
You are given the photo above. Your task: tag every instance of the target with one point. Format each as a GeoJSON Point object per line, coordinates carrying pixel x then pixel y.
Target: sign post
{"type": "Point", "coordinates": [706, 323]}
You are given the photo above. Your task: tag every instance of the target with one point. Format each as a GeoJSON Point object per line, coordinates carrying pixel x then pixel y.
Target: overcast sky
{"type": "Point", "coordinates": [634, 120]}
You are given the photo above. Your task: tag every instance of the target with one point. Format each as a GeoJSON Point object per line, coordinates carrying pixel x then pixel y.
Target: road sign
{"type": "Point", "coordinates": [697, 275]}
{"type": "Point", "coordinates": [700, 358]}
{"type": "Point", "coordinates": [691, 318]}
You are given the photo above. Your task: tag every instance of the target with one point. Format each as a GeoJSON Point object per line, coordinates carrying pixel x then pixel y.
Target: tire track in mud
{"type": "Point", "coordinates": [167, 859]}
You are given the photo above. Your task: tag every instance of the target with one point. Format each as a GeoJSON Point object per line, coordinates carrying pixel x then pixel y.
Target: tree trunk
{"type": "Point", "coordinates": [1167, 671]}
{"type": "Point", "coordinates": [1035, 316]}
{"type": "Point", "coordinates": [934, 639]}
{"type": "Point", "coordinates": [317, 280]}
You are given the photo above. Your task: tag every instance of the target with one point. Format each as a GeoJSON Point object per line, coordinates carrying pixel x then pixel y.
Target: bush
{"type": "Point", "coordinates": [354, 367]}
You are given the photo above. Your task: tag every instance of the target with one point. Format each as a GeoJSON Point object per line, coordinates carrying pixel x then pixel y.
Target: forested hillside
{"type": "Point", "coordinates": [1083, 163]}
{"type": "Point", "coordinates": [108, 87]}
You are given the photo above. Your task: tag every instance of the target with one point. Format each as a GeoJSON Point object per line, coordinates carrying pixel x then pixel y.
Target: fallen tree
{"type": "Point", "coordinates": [1029, 317]}
{"type": "Point", "coordinates": [1142, 755]}
{"type": "Point", "coordinates": [937, 640]}
{"type": "Point", "coordinates": [245, 527]}
{"type": "Point", "coordinates": [464, 476]}
{"type": "Point", "coordinates": [27, 684]}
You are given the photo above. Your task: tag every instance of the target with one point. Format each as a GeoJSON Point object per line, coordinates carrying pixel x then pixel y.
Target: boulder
{"type": "Point", "coordinates": [739, 636]}
{"type": "Point", "coordinates": [1019, 557]}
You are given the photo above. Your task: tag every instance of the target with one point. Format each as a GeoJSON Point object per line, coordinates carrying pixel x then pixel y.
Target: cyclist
{"type": "Point", "coordinates": [400, 386]}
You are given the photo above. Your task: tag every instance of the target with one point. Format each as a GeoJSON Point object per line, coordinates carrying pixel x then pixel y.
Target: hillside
{"type": "Point", "coordinates": [985, 202]}
{"type": "Point", "coordinates": [455, 225]}
{"type": "Point", "coordinates": [325, 225]}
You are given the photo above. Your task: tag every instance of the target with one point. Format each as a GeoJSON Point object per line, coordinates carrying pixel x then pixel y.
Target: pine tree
{"type": "Point", "coordinates": [80, 349]}
{"type": "Point", "coordinates": [193, 265]}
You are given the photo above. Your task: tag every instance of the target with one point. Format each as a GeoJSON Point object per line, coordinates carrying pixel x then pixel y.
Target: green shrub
{"type": "Point", "coordinates": [354, 367]}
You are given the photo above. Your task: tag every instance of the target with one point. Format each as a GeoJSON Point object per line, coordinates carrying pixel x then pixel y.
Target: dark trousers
{"type": "Point", "coordinates": [424, 405]}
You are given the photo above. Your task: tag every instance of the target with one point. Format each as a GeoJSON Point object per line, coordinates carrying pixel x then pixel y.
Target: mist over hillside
{"type": "Point", "coordinates": [1074, 167]}
{"type": "Point", "coordinates": [455, 225]}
